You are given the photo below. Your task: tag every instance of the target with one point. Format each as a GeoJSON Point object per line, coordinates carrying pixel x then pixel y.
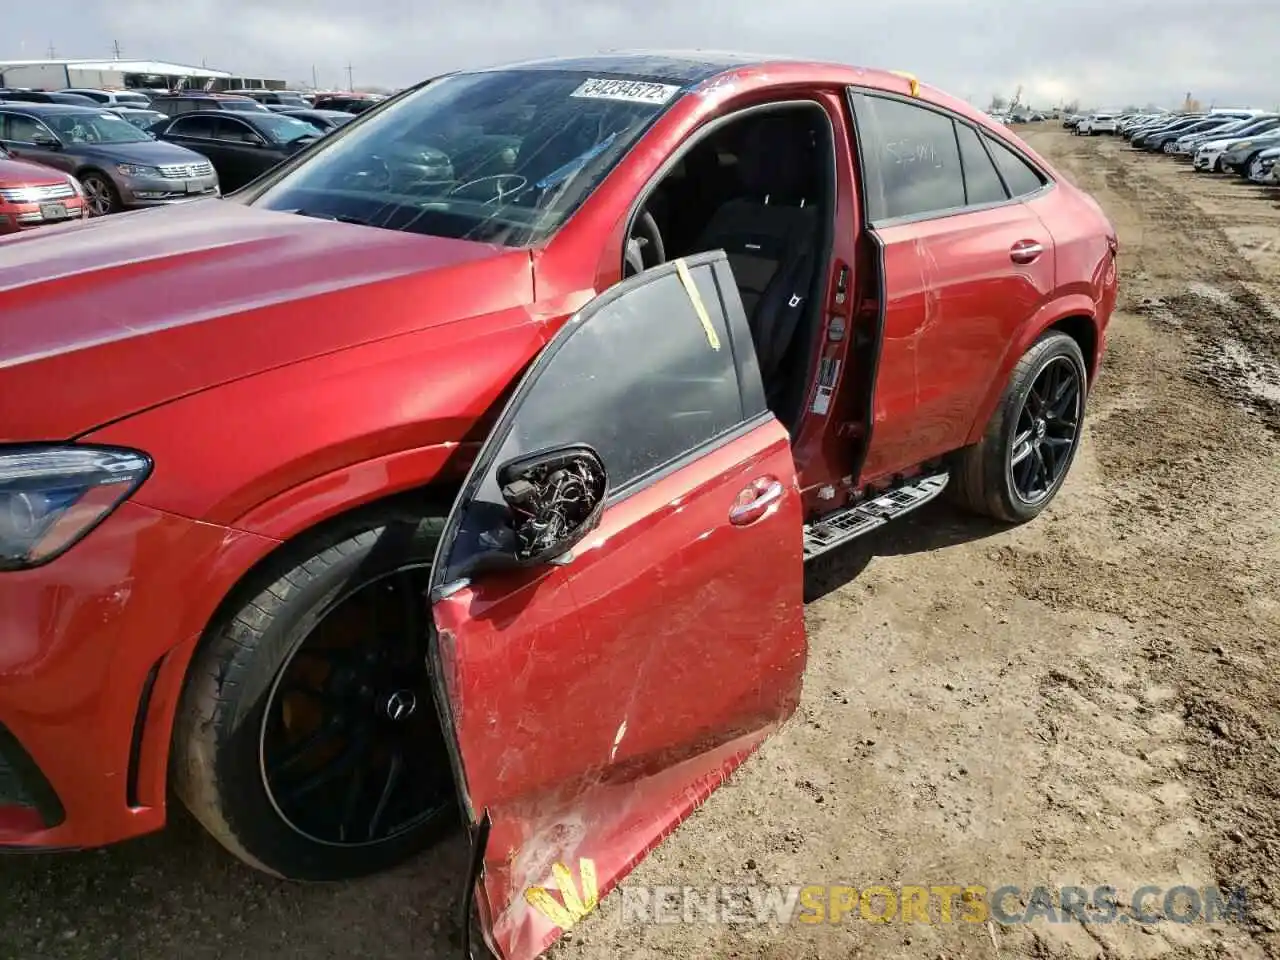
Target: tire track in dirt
{"type": "Point", "coordinates": [1194, 544]}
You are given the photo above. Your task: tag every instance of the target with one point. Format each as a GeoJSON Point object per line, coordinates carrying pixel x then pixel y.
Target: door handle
{"type": "Point", "coordinates": [756, 501]}
{"type": "Point", "coordinates": [1025, 251]}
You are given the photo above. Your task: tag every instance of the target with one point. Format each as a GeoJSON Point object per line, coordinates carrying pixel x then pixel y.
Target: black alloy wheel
{"type": "Point", "coordinates": [349, 724]}
{"type": "Point", "coordinates": [1047, 431]}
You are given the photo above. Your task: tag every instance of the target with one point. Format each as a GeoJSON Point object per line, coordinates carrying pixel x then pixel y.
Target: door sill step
{"type": "Point", "coordinates": [850, 523]}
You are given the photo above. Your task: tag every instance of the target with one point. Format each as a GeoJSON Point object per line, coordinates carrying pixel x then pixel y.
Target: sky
{"type": "Point", "coordinates": [1101, 52]}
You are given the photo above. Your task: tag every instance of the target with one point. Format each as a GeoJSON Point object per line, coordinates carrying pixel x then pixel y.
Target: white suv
{"type": "Point", "coordinates": [1097, 123]}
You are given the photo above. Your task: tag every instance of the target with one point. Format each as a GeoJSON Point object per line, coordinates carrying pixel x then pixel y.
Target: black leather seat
{"type": "Point", "coordinates": [770, 235]}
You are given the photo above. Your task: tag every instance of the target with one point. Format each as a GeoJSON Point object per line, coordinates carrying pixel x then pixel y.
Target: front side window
{"type": "Point", "coordinates": [913, 152]}
{"type": "Point", "coordinates": [198, 127]}
{"type": "Point", "coordinates": [502, 156]}
{"type": "Point", "coordinates": [92, 127]}
{"type": "Point", "coordinates": [24, 129]}
{"type": "Point", "coordinates": [641, 380]}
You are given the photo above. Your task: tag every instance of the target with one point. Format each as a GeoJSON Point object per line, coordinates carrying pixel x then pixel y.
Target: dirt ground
{"type": "Point", "coordinates": [1089, 699]}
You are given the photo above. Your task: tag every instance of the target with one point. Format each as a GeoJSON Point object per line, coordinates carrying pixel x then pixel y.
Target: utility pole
{"type": "Point", "coordinates": [53, 54]}
{"type": "Point", "coordinates": [350, 82]}
{"type": "Point", "coordinates": [115, 47]}
{"type": "Point", "coordinates": [315, 84]}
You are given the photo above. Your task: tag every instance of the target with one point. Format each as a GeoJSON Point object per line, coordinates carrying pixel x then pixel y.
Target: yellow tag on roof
{"type": "Point", "coordinates": [911, 79]}
{"type": "Point", "coordinates": [691, 288]}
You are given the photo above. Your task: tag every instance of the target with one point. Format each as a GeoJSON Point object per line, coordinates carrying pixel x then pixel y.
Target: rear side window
{"type": "Point", "coordinates": [1020, 177]}
{"type": "Point", "coordinates": [912, 152]}
{"type": "Point", "coordinates": [981, 182]}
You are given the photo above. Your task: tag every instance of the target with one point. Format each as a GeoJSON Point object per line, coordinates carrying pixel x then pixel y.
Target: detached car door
{"type": "Point", "coordinates": [617, 597]}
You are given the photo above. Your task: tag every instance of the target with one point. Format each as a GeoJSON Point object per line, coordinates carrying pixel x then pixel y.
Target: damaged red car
{"type": "Point", "coordinates": [471, 458]}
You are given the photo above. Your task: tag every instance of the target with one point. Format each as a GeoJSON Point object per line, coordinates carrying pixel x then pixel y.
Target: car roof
{"type": "Point", "coordinates": [52, 108]}
{"type": "Point", "coordinates": [677, 66]}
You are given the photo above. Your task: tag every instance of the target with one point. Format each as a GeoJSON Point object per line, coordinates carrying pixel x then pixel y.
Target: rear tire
{"type": "Point", "coordinates": [300, 667]}
{"type": "Point", "coordinates": [989, 477]}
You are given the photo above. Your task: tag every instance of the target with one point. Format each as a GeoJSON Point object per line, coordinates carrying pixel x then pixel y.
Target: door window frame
{"type": "Point", "coordinates": [755, 412]}
{"type": "Point", "coordinates": [8, 116]}
{"type": "Point", "coordinates": [867, 168]}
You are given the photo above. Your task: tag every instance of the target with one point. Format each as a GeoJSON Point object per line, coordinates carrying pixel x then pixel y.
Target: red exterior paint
{"type": "Point", "coordinates": [621, 694]}
{"type": "Point", "coordinates": [16, 215]}
{"type": "Point", "coordinates": [281, 370]}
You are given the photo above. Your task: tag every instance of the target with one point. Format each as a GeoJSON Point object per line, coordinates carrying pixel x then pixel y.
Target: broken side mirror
{"type": "Point", "coordinates": [556, 497]}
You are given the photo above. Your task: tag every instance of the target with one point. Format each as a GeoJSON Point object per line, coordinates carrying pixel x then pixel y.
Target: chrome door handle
{"type": "Point", "coordinates": [1025, 251]}
{"type": "Point", "coordinates": [754, 502]}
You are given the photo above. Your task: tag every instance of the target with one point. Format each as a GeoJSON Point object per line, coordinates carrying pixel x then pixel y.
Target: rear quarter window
{"type": "Point", "coordinates": [1019, 176]}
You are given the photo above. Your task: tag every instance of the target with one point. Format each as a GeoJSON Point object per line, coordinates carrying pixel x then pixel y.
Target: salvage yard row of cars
{"type": "Point", "coordinates": [465, 464]}
{"type": "Point", "coordinates": [69, 154]}
{"type": "Point", "coordinates": [1223, 140]}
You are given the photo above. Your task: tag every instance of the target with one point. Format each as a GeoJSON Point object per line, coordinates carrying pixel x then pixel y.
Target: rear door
{"type": "Point", "coordinates": [965, 263]}
{"type": "Point", "coordinates": [597, 695]}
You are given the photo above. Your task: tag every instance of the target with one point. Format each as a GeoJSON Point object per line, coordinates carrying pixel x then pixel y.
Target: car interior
{"type": "Point", "coordinates": [762, 189]}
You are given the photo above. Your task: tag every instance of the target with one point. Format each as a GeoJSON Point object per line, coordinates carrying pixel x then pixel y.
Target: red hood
{"type": "Point", "coordinates": [19, 173]}
{"type": "Point", "coordinates": [111, 316]}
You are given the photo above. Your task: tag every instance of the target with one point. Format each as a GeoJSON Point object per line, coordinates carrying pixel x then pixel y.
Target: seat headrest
{"type": "Point", "coordinates": [776, 158]}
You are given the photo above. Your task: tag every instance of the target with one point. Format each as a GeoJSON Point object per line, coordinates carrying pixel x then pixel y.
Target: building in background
{"type": "Point", "coordinates": [122, 75]}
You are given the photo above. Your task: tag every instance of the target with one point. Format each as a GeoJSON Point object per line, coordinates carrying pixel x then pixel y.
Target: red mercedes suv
{"type": "Point", "coordinates": [467, 463]}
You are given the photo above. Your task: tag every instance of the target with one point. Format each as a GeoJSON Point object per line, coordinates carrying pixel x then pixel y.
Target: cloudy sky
{"type": "Point", "coordinates": [1106, 52]}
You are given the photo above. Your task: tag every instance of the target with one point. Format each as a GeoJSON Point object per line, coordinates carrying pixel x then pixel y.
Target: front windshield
{"type": "Point", "coordinates": [253, 105]}
{"type": "Point", "coordinates": [282, 129]}
{"type": "Point", "coordinates": [90, 127]}
{"type": "Point", "coordinates": [503, 156]}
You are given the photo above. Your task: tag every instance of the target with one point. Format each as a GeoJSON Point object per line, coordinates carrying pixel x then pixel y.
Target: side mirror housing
{"type": "Point", "coordinates": [44, 140]}
{"type": "Point", "coordinates": [555, 498]}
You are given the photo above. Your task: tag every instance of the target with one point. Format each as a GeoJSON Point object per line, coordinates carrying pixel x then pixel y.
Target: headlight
{"type": "Point", "coordinates": [137, 170]}
{"type": "Point", "coordinates": [51, 497]}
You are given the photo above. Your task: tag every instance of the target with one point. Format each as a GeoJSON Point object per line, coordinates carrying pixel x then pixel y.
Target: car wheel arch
{"type": "Point", "coordinates": [1075, 315]}
{"type": "Point", "coordinates": [430, 500]}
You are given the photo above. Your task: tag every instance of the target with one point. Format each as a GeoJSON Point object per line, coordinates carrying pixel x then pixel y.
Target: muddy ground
{"type": "Point", "coordinates": [1090, 699]}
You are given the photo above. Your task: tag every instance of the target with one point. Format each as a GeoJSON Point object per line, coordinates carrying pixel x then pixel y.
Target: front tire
{"type": "Point", "coordinates": [1031, 440]}
{"type": "Point", "coordinates": [100, 194]}
{"type": "Point", "coordinates": [306, 739]}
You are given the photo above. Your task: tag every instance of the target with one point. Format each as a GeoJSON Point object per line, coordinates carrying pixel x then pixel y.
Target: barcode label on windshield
{"type": "Point", "coordinates": [631, 91]}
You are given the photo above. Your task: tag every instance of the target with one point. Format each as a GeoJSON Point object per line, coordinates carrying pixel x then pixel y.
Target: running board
{"type": "Point", "coordinates": [852, 522]}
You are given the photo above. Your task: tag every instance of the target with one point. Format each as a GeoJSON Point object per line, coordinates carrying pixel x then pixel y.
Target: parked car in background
{"type": "Point", "coordinates": [113, 98]}
{"type": "Point", "coordinates": [1240, 156]}
{"type": "Point", "coordinates": [241, 146]}
{"type": "Point", "coordinates": [1210, 149]}
{"type": "Point", "coordinates": [35, 195]}
{"type": "Point", "coordinates": [119, 166]}
{"type": "Point", "coordinates": [1261, 168]}
{"type": "Point", "coordinates": [142, 119]}
{"type": "Point", "coordinates": [1185, 145]}
{"type": "Point", "coordinates": [346, 102]}
{"type": "Point", "coordinates": [396, 499]}
{"type": "Point", "coordinates": [1096, 123]}
{"type": "Point", "coordinates": [325, 120]}
{"type": "Point", "coordinates": [1143, 133]}
{"type": "Point", "coordinates": [43, 96]}
{"type": "Point", "coordinates": [174, 104]}
{"type": "Point", "coordinates": [288, 98]}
